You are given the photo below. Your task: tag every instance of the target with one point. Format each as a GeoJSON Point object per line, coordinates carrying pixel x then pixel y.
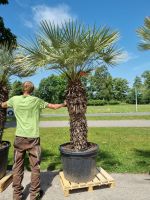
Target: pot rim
{"type": "Point", "coordinates": [88, 152]}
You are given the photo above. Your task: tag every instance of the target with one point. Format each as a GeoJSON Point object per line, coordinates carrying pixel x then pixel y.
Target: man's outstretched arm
{"type": "Point", "coordinates": [56, 106]}
{"type": "Point", "coordinates": [3, 105]}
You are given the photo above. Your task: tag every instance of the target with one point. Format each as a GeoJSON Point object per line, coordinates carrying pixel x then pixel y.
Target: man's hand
{"type": "Point", "coordinates": [65, 103]}
{"type": "Point", "coordinates": [3, 105]}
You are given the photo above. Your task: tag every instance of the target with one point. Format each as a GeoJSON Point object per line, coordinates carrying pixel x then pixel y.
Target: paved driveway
{"type": "Point", "coordinates": [100, 123]}
{"type": "Point", "coordinates": [128, 187]}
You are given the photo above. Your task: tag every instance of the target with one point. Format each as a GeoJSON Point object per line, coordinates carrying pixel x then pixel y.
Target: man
{"type": "Point", "coordinates": [27, 111]}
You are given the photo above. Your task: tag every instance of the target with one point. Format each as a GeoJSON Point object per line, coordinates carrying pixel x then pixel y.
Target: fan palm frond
{"type": "Point", "coordinates": [9, 64]}
{"type": "Point", "coordinates": [144, 33]}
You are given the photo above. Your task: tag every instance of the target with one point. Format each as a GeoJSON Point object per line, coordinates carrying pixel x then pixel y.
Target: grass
{"type": "Point", "coordinates": [121, 149]}
{"type": "Point", "coordinates": [105, 109]}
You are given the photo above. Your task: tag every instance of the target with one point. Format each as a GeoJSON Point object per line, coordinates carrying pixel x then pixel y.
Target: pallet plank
{"type": "Point", "coordinates": [74, 185]}
{"type": "Point", "coordinates": [96, 180]}
{"type": "Point", "coordinates": [101, 178]}
{"type": "Point", "coordinates": [65, 182]}
{"type": "Point", "coordinates": [106, 175]}
{"type": "Point", "coordinates": [66, 191]}
{"type": "Point", "coordinates": [5, 181]}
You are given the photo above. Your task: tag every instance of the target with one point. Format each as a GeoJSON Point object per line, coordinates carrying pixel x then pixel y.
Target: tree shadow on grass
{"type": "Point", "coordinates": [145, 154]}
{"type": "Point", "coordinates": [107, 160]}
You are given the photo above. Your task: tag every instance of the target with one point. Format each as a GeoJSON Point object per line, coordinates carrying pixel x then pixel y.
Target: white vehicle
{"type": "Point", "coordinates": [10, 112]}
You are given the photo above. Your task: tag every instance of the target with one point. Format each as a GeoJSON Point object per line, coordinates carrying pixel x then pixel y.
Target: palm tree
{"type": "Point", "coordinates": [7, 69]}
{"type": "Point", "coordinates": [73, 50]}
{"type": "Point", "coordinates": [144, 33]}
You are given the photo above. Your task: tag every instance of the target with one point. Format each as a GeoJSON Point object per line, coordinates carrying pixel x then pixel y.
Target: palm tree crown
{"type": "Point", "coordinates": [9, 67]}
{"type": "Point", "coordinates": [72, 48]}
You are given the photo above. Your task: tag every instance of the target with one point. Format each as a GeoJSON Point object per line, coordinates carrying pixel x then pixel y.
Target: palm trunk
{"type": "Point", "coordinates": [77, 105]}
{"type": "Point", "coordinates": [3, 98]}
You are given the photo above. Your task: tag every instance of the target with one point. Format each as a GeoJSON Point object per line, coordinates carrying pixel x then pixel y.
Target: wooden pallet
{"type": "Point", "coordinates": [5, 181]}
{"type": "Point", "coordinates": [101, 179]}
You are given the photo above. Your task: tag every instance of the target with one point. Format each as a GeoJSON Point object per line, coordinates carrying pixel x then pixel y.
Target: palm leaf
{"type": "Point", "coordinates": [144, 33]}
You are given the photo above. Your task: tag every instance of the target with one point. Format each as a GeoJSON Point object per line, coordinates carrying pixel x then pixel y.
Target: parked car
{"type": "Point", "coordinates": [10, 112]}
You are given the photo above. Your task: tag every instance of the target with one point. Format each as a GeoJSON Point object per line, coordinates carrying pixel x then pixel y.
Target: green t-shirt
{"type": "Point", "coordinates": [27, 111]}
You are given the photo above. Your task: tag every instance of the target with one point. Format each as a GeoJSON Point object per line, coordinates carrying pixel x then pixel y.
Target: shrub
{"type": "Point", "coordinates": [113, 102]}
{"type": "Point", "coordinates": [93, 102]}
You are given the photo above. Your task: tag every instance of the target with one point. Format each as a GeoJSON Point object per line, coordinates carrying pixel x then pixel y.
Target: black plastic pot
{"type": "Point", "coordinates": [4, 158]}
{"type": "Point", "coordinates": [79, 166]}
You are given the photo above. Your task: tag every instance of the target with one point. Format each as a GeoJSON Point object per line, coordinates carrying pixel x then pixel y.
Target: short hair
{"type": "Point", "coordinates": [28, 86]}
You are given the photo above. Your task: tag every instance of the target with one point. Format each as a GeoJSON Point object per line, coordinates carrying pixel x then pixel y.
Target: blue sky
{"type": "Point", "coordinates": [23, 18]}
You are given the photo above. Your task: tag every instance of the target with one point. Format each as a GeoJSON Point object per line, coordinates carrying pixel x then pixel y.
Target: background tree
{"type": "Point", "coordinates": [6, 36]}
{"type": "Point", "coordinates": [16, 88]}
{"type": "Point", "coordinates": [73, 50]}
{"type": "Point", "coordinates": [137, 89]}
{"type": "Point", "coordinates": [144, 33]}
{"type": "Point", "coordinates": [101, 84]}
{"type": "Point", "coordinates": [146, 88]}
{"type": "Point", "coordinates": [52, 89]}
{"type": "Point", "coordinates": [120, 89]}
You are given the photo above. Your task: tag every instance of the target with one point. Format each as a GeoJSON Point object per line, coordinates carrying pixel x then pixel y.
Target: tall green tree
{"type": "Point", "coordinates": [74, 50]}
{"type": "Point", "coordinates": [16, 88]}
{"type": "Point", "coordinates": [146, 77]}
{"type": "Point", "coordinates": [6, 36]}
{"type": "Point", "coordinates": [146, 88]}
{"type": "Point", "coordinates": [137, 83]}
{"type": "Point", "coordinates": [101, 84]}
{"type": "Point", "coordinates": [120, 89]}
{"type": "Point", "coordinates": [144, 33]}
{"type": "Point", "coordinates": [137, 89]}
{"type": "Point", "coordinates": [52, 89]}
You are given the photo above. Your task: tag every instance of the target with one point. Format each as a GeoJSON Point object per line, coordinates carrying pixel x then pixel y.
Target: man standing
{"type": "Point", "coordinates": [27, 111]}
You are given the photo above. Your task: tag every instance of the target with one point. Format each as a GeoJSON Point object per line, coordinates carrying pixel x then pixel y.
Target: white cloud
{"type": "Point", "coordinates": [57, 15]}
{"type": "Point", "coordinates": [127, 56]}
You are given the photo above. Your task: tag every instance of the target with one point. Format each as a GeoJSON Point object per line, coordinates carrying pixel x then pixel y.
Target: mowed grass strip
{"type": "Point", "coordinates": [61, 118]}
{"type": "Point", "coordinates": [121, 149]}
{"type": "Point", "coordinates": [121, 108]}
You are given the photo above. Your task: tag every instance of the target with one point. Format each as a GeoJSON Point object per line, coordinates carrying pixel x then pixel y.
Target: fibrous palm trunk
{"type": "Point", "coordinates": [77, 105]}
{"type": "Point", "coordinates": [3, 98]}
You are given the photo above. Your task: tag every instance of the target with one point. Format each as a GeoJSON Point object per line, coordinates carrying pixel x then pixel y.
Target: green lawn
{"type": "Point", "coordinates": [105, 109]}
{"type": "Point", "coordinates": [121, 149]}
